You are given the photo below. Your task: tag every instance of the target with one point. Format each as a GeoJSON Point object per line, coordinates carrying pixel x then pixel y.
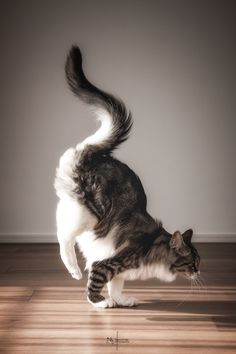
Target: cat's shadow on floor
{"type": "Point", "coordinates": [221, 313]}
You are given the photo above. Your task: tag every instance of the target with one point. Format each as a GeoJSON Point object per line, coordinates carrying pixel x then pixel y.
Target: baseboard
{"type": "Point", "coordinates": [51, 238]}
{"type": "Point", "coordinates": [216, 238]}
{"type": "Point", "coordinates": [28, 238]}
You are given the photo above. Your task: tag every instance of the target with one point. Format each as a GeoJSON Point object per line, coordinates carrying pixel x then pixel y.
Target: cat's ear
{"type": "Point", "coordinates": [178, 244]}
{"type": "Point", "coordinates": [187, 236]}
{"type": "Point", "coordinates": [176, 240]}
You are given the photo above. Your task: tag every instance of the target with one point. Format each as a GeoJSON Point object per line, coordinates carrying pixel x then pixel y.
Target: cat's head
{"type": "Point", "coordinates": [185, 259]}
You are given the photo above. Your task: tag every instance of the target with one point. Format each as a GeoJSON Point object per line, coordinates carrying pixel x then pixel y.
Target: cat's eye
{"type": "Point", "coordinates": [183, 265]}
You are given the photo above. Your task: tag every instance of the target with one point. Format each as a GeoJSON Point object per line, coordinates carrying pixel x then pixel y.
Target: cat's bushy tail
{"type": "Point", "coordinates": [116, 121]}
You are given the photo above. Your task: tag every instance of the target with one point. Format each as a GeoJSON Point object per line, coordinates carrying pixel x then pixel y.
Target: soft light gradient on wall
{"type": "Point", "coordinates": [172, 62]}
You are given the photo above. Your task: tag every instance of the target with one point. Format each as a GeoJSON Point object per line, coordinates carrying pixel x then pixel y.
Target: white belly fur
{"type": "Point", "coordinates": [96, 249]}
{"type": "Point", "coordinates": [73, 218]}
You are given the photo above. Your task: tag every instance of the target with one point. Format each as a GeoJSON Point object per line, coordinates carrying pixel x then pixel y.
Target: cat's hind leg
{"type": "Point", "coordinates": [68, 256]}
{"type": "Point", "coordinates": [72, 220]}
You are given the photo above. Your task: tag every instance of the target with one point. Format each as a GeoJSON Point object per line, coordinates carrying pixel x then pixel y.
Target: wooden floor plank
{"type": "Point", "coordinates": [43, 310]}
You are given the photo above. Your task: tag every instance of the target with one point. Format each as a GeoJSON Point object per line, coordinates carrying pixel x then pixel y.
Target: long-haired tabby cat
{"type": "Point", "coordinates": [102, 207]}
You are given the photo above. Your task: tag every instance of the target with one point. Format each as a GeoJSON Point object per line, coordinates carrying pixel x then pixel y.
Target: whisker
{"type": "Point", "coordinates": [202, 279]}
{"type": "Point", "coordinates": [204, 287]}
{"type": "Point", "coordinates": [186, 296]}
{"type": "Point", "coordinates": [196, 285]}
{"type": "Point", "coordinates": [200, 286]}
{"type": "Point", "coordinates": [201, 282]}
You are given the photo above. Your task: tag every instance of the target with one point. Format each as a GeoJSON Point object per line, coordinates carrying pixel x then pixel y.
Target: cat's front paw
{"type": "Point", "coordinates": [105, 303]}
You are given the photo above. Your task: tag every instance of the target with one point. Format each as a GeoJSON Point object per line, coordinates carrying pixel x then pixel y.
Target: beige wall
{"type": "Point", "coordinates": [173, 63]}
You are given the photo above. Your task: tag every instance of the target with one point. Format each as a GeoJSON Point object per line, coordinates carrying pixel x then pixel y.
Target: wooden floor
{"type": "Point", "coordinates": [43, 310]}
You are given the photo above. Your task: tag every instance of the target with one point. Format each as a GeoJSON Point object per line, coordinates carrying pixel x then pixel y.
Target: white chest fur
{"type": "Point", "coordinates": [149, 271]}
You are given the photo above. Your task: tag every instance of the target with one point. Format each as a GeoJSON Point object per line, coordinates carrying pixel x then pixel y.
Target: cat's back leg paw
{"type": "Point", "coordinates": [127, 301]}
{"type": "Point", "coordinates": [76, 274]}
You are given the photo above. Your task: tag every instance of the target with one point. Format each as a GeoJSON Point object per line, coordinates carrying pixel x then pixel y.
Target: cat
{"type": "Point", "coordinates": [102, 207]}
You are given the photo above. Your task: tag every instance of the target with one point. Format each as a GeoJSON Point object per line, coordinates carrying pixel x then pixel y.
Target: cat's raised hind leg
{"type": "Point", "coordinates": [68, 256]}
{"type": "Point", "coordinates": [68, 227]}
